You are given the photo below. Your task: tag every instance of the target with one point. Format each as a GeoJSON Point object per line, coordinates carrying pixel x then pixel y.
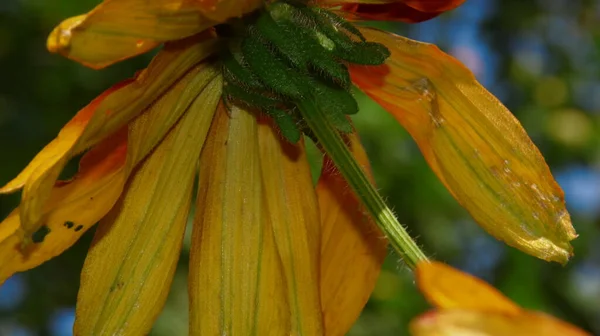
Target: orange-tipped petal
{"type": "Point", "coordinates": [80, 203]}
{"type": "Point", "coordinates": [236, 280]}
{"type": "Point", "coordinates": [352, 247]}
{"type": "Point", "coordinates": [465, 322]}
{"type": "Point", "coordinates": [73, 207]}
{"type": "Point", "coordinates": [294, 215]}
{"type": "Point", "coordinates": [120, 29]}
{"type": "Point", "coordinates": [447, 288]}
{"type": "Point", "coordinates": [100, 119]}
{"type": "Point", "coordinates": [473, 143]}
{"type": "Point", "coordinates": [62, 143]}
{"type": "Point", "coordinates": [130, 265]}
{"type": "Point", "coordinates": [394, 10]}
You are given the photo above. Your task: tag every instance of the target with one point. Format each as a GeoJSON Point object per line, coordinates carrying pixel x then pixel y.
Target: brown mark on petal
{"type": "Point", "coordinates": [39, 235]}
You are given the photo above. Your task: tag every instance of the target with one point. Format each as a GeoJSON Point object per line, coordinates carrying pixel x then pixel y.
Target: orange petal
{"type": "Point", "coordinates": [352, 247]}
{"type": "Point", "coordinates": [395, 10]}
{"type": "Point", "coordinates": [73, 208]}
{"type": "Point", "coordinates": [446, 287]}
{"type": "Point", "coordinates": [120, 29]}
{"type": "Point", "coordinates": [82, 202]}
{"type": "Point", "coordinates": [130, 265]}
{"type": "Point", "coordinates": [463, 322]}
{"type": "Point", "coordinates": [294, 214]}
{"type": "Point", "coordinates": [101, 118]}
{"type": "Point", "coordinates": [473, 143]}
{"type": "Point", "coordinates": [236, 282]}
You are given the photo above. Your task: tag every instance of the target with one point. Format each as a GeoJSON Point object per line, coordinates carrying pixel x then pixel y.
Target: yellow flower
{"type": "Point", "coordinates": [468, 306]}
{"type": "Point", "coordinates": [270, 251]}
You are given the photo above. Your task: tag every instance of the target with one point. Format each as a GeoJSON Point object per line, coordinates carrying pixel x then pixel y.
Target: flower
{"type": "Point", "coordinates": [467, 305]}
{"type": "Point", "coordinates": [270, 251]}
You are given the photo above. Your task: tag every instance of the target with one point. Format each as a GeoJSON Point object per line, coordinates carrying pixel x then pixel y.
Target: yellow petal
{"type": "Point", "coordinates": [222, 10]}
{"type": "Point", "coordinates": [129, 268]}
{"type": "Point", "coordinates": [470, 323]}
{"type": "Point", "coordinates": [73, 208]}
{"type": "Point", "coordinates": [80, 203]}
{"type": "Point", "coordinates": [352, 247]}
{"type": "Point", "coordinates": [120, 29]}
{"type": "Point", "coordinates": [293, 210]}
{"type": "Point", "coordinates": [446, 287]}
{"type": "Point", "coordinates": [101, 118]}
{"type": "Point", "coordinates": [473, 143]}
{"type": "Point", "coordinates": [236, 284]}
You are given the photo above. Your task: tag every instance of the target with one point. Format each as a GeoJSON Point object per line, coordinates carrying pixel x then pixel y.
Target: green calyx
{"type": "Point", "coordinates": [289, 53]}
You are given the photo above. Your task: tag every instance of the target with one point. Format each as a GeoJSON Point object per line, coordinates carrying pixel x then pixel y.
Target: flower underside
{"type": "Point", "coordinates": [290, 53]}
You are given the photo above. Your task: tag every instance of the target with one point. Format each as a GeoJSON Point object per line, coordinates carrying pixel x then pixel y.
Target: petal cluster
{"type": "Point", "coordinates": [468, 306]}
{"type": "Point", "coordinates": [119, 29]}
{"type": "Point", "coordinates": [473, 143]}
{"type": "Point", "coordinates": [271, 252]}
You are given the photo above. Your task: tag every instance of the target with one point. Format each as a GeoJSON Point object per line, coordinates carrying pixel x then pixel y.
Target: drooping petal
{"type": "Point", "coordinates": [101, 118]}
{"type": "Point", "coordinates": [473, 143]}
{"type": "Point", "coordinates": [352, 247]}
{"type": "Point", "coordinates": [130, 265]}
{"type": "Point", "coordinates": [62, 143]}
{"type": "Point", "coordinates": [456, 322]}
{"type": "Point", "coordinates": [448, 288]}
{"type": "Point", "coordinates": [236, 281]}
{"type": "Point", "coordinates": [80, 203]}
{"type": "Point", "coordinates": [294, 214]}
{"type": "Point", "coordinates": [394, 10]}
{"type": "Point", "coordinates": [73, 207]}
{"type": "Point", "coordinates": [120, 29]}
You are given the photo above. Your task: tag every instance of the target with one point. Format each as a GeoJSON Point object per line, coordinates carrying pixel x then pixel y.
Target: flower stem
{"type": "Point", "coordinates": [333, 143]}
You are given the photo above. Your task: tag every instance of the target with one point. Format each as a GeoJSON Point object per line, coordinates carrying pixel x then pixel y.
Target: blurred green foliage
{"type": "Point", "coordinates": [542, 58]}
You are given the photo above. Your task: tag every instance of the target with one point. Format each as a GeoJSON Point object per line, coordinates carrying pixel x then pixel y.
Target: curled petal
{"type": "Point", "coordinates": [101, 118]}
{"type": "Point", "coordinates": [73, 208]}
{"type": "Point", "coordinates": [352, 247]}
{"type": "Point", "coordinates": [120, 29]}
{"type": "Point", "coordinates": [294, 215]}
{"type": "Point", "coordinates": [236, 279]}
{"type": "Point", "coordinates": [456, 322]}
{"type": "Point", "coordinates": [473, 143]}
{"type": "Point", "coordinates": [448, 288]}
{"type": "Point", "coordinates": [394, 10]}
{"type": "Point", "coordinates": [129, 268]}
{"type": "Point", "coordinates": [80, 203]}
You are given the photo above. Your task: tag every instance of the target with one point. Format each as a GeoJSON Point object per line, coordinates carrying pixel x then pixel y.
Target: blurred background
{"type": "Point", "coordinates": [541, 58]}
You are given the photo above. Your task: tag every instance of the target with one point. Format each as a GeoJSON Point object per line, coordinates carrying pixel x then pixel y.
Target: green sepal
{"type": "Point", "coordinates": [234, 71]}
{"type": "Point", "coordinates": [252, 99]}
{"type": "Point", "coordinates": [286, 123]}
{"type": "Point", "coordinates": [272, 71]}
{"type": "Point", "coordinates": [336, 103]}
{"type": "Point", "coordinates": [303, 50]}
{"type": "Point", "coordinates": [365, 53]}
{"type": "Point", "coordinates": [338, 21]}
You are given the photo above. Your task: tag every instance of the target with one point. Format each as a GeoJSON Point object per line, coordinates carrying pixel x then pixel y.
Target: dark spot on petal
{"type": "Point", "coordinates": [117, 285]}
{"type": "Point", "coordinates": [79, 227]}
{"type": "Point", "coordinates": [39, 235]}
{"type": "Point", "coordinates": [69, 224]}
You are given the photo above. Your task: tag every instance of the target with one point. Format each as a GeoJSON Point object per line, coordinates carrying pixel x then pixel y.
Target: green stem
{"type": "Point", "coordinates": [333, 143]}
